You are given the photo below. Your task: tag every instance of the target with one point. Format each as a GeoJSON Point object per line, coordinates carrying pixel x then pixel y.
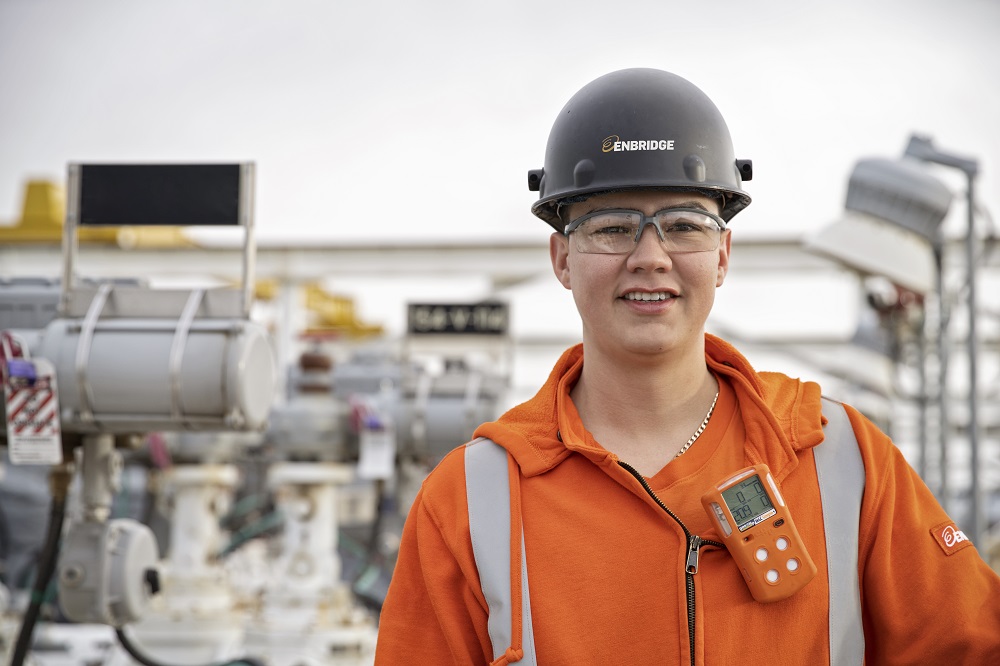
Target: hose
{"type": "Point", "coordinates": [145, 660]}
{"type": "Point", "coordinates": [59, 481]}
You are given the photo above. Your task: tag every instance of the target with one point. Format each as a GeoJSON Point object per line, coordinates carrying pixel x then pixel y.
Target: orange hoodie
{"type": "Point", "coordinates": [606, 564]}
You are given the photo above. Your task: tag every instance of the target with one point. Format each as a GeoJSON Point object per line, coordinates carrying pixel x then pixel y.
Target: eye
{"type": "Point", "coordinates": [685, 222]}
{"type": "Point", "coordinates": [686, 227]}
{"type": "Point", "coordinates": [611, 224]}
{"type": "Point", "coordinates": [612, 229]}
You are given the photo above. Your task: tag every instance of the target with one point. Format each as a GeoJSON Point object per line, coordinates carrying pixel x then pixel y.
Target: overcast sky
{"type": "Point", "coordinates": [406, 121]}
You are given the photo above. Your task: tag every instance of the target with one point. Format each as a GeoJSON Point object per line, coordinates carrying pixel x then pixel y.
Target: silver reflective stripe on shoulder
{"type": "Point", "coordinates": [488, 496]}
{"type": "Point", "coordinates": [841, 474]}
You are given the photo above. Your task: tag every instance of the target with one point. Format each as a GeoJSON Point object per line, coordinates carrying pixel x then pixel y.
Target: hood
{"type": "Point", "coordinates": [782, 415]}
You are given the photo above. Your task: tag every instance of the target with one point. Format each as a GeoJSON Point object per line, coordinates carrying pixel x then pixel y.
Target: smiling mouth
{"type": "Point", "coordinates": [647, 296]}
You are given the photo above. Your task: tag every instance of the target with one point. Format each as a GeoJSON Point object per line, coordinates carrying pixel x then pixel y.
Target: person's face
{"type": "Point", "coordinates": [607, 287]}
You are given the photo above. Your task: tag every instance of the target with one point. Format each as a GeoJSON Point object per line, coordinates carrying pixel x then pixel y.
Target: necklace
{"type": "Point", "coordinates": [701, 428]}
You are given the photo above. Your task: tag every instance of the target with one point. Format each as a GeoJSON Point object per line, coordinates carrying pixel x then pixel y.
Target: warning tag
{"type": "Point", "coordinates": [377, 459]}
{"type": "Point", "coordinates": [31, 402]}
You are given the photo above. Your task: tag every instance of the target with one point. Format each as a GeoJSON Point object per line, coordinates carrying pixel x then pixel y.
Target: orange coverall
{"type": "Point", "coordinates": [606, 564]}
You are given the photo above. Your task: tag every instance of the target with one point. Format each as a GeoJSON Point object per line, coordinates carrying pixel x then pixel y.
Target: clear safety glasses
{"type": "Point", "coordinates": [618, 231]}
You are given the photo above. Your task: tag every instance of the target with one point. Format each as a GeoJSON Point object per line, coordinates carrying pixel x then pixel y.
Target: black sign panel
{"type": "Point", "coordinates": [159, 194]}
{"type": "Point", "coordinates": [457, 318]}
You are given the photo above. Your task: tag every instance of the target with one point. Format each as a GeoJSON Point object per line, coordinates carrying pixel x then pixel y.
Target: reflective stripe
{"type": "Point", "coordinates": [841, 475]}
{"type": "Point", "coordinates": [488, 495]}
{"type": "Point", "coordinates": [527, 635]}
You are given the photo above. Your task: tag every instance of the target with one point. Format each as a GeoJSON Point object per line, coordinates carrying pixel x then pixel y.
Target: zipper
{"type": "Point", "coordinates": [695, 544]}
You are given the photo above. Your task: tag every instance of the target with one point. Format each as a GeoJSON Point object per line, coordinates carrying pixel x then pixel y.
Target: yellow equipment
{"type": "Point", "coordinates": [44, 212]}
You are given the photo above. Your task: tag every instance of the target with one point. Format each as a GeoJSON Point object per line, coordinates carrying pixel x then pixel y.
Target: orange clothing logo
{"type": "Point", "coordinates": [950, 538]}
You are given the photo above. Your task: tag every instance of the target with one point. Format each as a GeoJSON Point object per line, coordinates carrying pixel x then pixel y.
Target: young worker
{"type": "Point", "coordinates": [589, 542]}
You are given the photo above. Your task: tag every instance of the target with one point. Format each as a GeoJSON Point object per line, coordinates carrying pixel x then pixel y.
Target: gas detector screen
{"type": "Point", "coordinates": [748, 502]}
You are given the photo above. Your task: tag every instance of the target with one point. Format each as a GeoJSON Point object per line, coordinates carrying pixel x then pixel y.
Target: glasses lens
{"type": "Point", "coordinates": [688, 230]}
{"type": "Point", "coordinates": [607, 232]}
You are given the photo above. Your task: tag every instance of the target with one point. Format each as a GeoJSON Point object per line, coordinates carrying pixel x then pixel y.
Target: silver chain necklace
{"type": "Point", "coordinates": [701, 428]}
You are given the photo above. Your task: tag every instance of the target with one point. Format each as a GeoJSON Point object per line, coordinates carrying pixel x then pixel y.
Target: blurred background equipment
{"type": "Point", "coordinates": [276, 498]}
{"type": "Point", "coordinates": [892, 231]}
{"type": "Point", "coordinates": [117, 361]}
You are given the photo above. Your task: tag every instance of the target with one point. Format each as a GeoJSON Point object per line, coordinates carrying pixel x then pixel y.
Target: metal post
{"type": "Point", "coordinates": [69, 239]}
{"type": "Point", "coordinates": [942, 393]}
{"type": "Point", "coordinates": [922, 393]}
{"type": "Point", "coordinates": [976, 519]}
{"type": "Point", "coordinates": [247, 187]}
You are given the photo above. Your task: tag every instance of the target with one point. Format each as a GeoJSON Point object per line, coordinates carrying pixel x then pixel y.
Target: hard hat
{"type": "Point", "coordinates": [638, 129]}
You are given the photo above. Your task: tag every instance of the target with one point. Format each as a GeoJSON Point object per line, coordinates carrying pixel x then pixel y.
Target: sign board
{"type": "Point", "coordinates": [457, 318]}
{"type": "Point", "coordinates": [180, 195]}
{"type": "Point", "coordinates": [160, 194]}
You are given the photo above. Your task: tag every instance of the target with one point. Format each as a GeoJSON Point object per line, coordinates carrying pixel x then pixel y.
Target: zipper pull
{"type": "Point", "coordinates": [694, 546]}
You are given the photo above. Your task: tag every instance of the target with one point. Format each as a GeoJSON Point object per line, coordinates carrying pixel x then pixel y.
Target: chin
{"type": "Point", "coordinates": [649, 347]}
{"type": "Point", "coordinates": [660, 344]}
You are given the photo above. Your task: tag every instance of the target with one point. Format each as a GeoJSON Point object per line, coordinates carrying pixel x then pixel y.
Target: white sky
{"type": "Point", "coordinates": [405, 121]}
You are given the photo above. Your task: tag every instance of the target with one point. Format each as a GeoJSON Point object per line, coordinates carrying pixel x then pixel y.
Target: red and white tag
{"type": "Point", "coordinates": [31, 403]}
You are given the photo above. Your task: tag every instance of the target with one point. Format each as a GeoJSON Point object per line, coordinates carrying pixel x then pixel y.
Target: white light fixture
{"type": "Point", "coordinates": [891, 222]}
{"type": "Point", "coordinates": [873, 246]}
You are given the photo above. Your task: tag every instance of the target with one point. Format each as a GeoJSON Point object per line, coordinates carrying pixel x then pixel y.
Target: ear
{"type": "Point", "coordinates": [559, 254]}
{"type": "Point", "coordinates": [725, 249]}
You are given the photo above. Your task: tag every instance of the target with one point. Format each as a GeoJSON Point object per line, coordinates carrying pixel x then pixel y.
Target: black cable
{"type": "Point", "coordinates": [4, 545]}
{"type": "Point", "coordinates": [381, 504]}
{"type": "Point", "coordinates": [59, 479]}
{"type": "Point", "coordinates": [146, 660]}
{"type": "Point", "coordinates": [252, 531]}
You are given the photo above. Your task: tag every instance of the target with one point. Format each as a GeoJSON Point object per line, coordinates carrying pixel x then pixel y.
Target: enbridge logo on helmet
{"type": "Point", "coordinates": [614, 144]}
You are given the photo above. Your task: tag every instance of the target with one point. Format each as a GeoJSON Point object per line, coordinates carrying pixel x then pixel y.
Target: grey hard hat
{"type": "Point", "coordinates": [638, 129]}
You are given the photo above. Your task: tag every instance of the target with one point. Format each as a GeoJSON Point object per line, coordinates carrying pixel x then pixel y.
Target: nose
{"type": "Point", "coordinates": [649, 252]}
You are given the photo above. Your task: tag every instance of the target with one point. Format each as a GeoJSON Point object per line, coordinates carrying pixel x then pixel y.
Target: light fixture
{"type": "Point", "coordinates": [890, 225]}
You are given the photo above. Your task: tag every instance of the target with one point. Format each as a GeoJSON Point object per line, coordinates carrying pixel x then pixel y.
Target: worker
{"type": "Point", "coordinates": [597, 534]}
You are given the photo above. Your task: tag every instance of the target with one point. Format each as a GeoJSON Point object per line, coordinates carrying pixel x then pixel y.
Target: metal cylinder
{"type": "Point", "coordinates": [129, 375]}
